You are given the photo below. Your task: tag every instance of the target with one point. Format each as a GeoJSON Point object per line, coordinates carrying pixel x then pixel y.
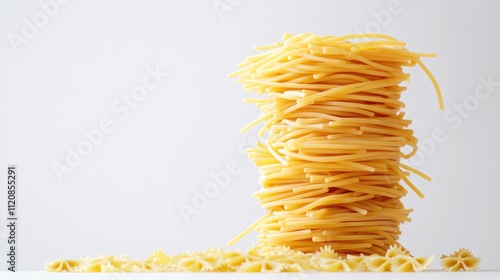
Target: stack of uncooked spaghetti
{"type": "Point", "coordinates": [334, 134]}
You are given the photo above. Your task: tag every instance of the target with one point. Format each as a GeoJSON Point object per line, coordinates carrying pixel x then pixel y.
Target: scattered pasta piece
{"type": "Point", "coordinates": [405, 263]}
{"type": "Point", "coordinates": [233, 260]}
{"type": "Point", "coordinates": [460, 260]}
{"type": "Point", "coordinates": [396, 250]}
{"type": "Point", "coordinates": [208, 260]}
{"type": "Point", "coordinates": [61, 265]}
{"type": "Point", "coordinates": [107, 263]}
{"type": "Point", "coordinates": [262, 265]}
{"type": "Point", "coordinates": [340, 265]}
{"type": "Point", "coordinates": [159, 257]}
{"type": "Point", "coordinates": [359, 261]}
{"type": "Point", "coordinates": [376, 263]}
{"type": "Point", "coordinates": [397, 259]}
{"type": "Point", "coordinates": [323, 258]}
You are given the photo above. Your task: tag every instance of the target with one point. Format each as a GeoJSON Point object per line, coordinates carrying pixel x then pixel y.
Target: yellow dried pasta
{"type": "Point", "coordinates": [377, 263]}
{"type": "Point", "coordinates": [404, 263]}
{"type": "Point", "coordinates": [278, 259]}
{"type": "Point", "coordinates": [397, 259]}
{"type": "Point", "coordinates": [462, 259]}
{"type": "Point", "coordinates": [62, 265]}
{"type": "Point", "coordinates": [334, 134]}
{"type": "Point", "coordinates": [395, 251]}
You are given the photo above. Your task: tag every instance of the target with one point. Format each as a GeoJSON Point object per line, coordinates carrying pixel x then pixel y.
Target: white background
{"type": "Point", "coordinates": [124, 197]}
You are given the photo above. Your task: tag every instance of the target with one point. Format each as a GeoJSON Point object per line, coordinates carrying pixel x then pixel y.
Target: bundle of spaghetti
{"type": "Point", "coordinates": [334, 137]}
